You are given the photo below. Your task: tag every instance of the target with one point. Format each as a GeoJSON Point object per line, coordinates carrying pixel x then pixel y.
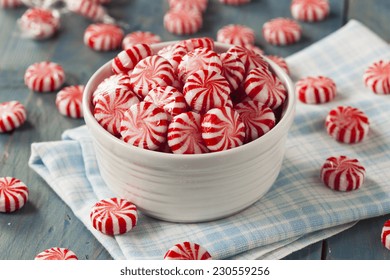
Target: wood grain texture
{"type": "Point", "coordinates": [46, 221]}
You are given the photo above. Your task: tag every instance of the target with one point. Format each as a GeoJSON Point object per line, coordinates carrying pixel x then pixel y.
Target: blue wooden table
{"type": "Point", "coordinates": [46, 221]}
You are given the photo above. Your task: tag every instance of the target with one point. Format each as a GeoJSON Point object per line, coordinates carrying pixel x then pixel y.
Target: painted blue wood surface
{"type": "Point", "coordinates": [46, 221]}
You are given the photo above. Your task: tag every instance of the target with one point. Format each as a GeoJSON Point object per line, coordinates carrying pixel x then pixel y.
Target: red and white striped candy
{"type": "Point", "coordinates": [310, 10]}
{"type": "Point", "coordinates": [144, 125]}
{"type": "Point", "coordinates": [39, 23]}
{"type": "Point", "coordinates": [195, 43]}
{"type": "Point", "coordinates": [10, 3]}
{"type": "Point", "coordinates": [377, 77]}
{"type": "Point", "coordinates": [385, 235]}
{"type": "Point", "coordinates": [126, 60]}
{"type": "Point", "coordinates": [69, 101]}
{"type": "Point", "coordinates": [257, 118]}
{"type": "Point", "coordinates": [114, 216]}
{"type": "Point", "coordinates": [249, 58]}
{"type": "Point", "coordinates": [13, 194]}
{"type": "Point", "coordinates": [234, 2]}
{"type": "Point", "coordinates": [184, 134]}
{"type": "Point", "coordinates": [174, 54]}
{"type": "Point", "coordinates": [110, 108]}
{"type": "Point", "coordinates": [205, 90]}
{"type": "Point", "coordinates": [342, 173]}
{"type": "Point", "coordinates": [222, 129]}
{"type": "Point", "coordinates": [232, 69]}
{"type": "Point", "coordinates": [347, 124]}
{"type": "Point", "coordinates": [140, 37]}
{"type": "Point", "coordinates": [282, 31]}
{"type": "Point", "coordinates": [236, 34]}
{"type": "Point", "coordinates": [264, 86]}
{"type": "Point", "coordinates": [150, 72]}
{"type": "Point", "coordinates": [280, 61]}
{"type": "Point", "coordinates": [199, 59]}
{"type": "Point", "coordinates": [90, 9]}
{"type": "Point", "coordinates": [254, 49]}
{"type": "Point", "coordinates": [315, 90]}
{"type": "Point", "coordinates": [57, 253]}
{"type": "Point", "coordinates": [12, 115]}
{"type": "Point", "coordinates": [199, 5]}
{"type": "Point", "coordinates": [114, 83]}
{"type": "Point", "coordinates": [103, 37]}
{"type": "Point", "coordinates": [44, 76]}
{"type": "Point", "coordinates": [183, 22]}
{"type": "Point", "coordinates": [167, 98]}
{"type": "Point", "coordinates": [187, 251]}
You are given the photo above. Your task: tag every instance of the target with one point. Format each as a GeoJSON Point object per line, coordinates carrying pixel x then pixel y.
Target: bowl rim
{"type": "Point", "coordinates": [286, 117]}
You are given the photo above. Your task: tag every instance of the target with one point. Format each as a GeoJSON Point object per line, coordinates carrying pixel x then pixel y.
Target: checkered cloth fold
{"type": "Point", "coordinates": [298, 210]}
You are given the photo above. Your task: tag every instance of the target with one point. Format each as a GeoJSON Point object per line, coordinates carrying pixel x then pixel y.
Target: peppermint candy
{"type": "Point", "coordinates": [342, 173]}
{"type": "Point", "coordinates": [174, 54]}
{"type": "Point", "coordinates": [315, 90]}
{"type": "Point", "coordinates": [57, 253]}
{"type": "Point", "coordinates": [377, 77]}
{"type": "Point", "coordinates": [13, 194]}
{"type": "Point", "coordinates": [187, 251]}
{"type": "Point", "coordinates": [254, 49]}
{"type": "Point", "coordinates": [114, 216]}
{"type": "Point", "coordinates": [69, 101]}
{"type": "Point", "coordinates": [184, 134]}
{"type": "Point", "coordinates": [347, 124]}
{"type": "Point", "coordinates": [195, 43]}
{"type": "Point", "coordinates": [150, 72]}
{"type": "Point", "coordinates": [198, 59]}
{"type": "Point", "coordinates": [126, 60]}
{"type": "Point", "coordinates": [205, 90]}
{"type": "Point", "coordinates": [140, 37]}
{"type": "Point", "coordinates": [234, 2]}
{"type": "Point", "coordinates": [110, 108]}
{"type": "Point", "coordinates": [385, 235]}
{"type": "Point", "coordinates": [181, 5]}
{"type": "Point", "coordinates": [112, 84]}
{"type": "Point", "coordinates": [236, 34]}
{"type": "Point", "coordinates": [249, 58]}
{"type": "Point", "coordinates": [257, 118]}
{"type": "Point", "coordinates": [232, 69]}
{"type": "Point", "coordinates": [280, 61]}
{"type": "Point", "coordinates": [183, 22]}
{"type": "Point", "coordinates": [264, 86]}
{"type": "Point", "coordinates": [167, 98]}
{"type": "Point", "coordinates": [222, 129]}
{"type": "Point", "coordinates": [282, 31]}
{"type": "Point", "coordinates": [10, 3]}
{"type": "Point", "coordinates": [39, 23]}
{"type": "Point", "coordinates": [310, 10]}
{"type": "Point", "coordinates": [103, 37]}
{"type": "Point", "coordinates": [90, 9]}
{"type": "Point", "coordinates": [12, 115]}
{"type": "Point", "coordinates": [44, 76]}
{"type": "Point", "coordinates": [144, 125]}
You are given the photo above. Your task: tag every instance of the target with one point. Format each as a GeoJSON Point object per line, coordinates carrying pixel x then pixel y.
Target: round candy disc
{"type": "Point", "coordinates": [342, 173]}
{"type": "Point", "coordinates": [385, 235]}
{"type": "Point", "coordinates": [114, 216]}
{"type": "Point", "coordinates": [167, 98]}
{"type": "Point", "coordinates": [310, 10]}
{"type": "Point", "coordinates": [181, 22]}
{"type": "Point", "coordinates": [126, 60]}
{"type": "Point", "coordinates": [232, 69]}
{"type": "Point", "coordinates": [264, 86]}
{"type": "Point", "coordinates": [222, 129]}
{"type": "Point", "coordinates": [199, 5]}
{"type": "Point", "coordinates": [195, 43]}
{"type": "Point", "coordinates": [347, 124]}
{"type": "Point", "coordinates": [10, 3]}
{"type": "Point", "coordinates": [282, 31]}
{"type": "Point", "coordinates": [44, 76]}
{"type": "Point", "coordinates": [57, 253]}
{"type": "Point", "coordinates": [103, 37]}
{"type": "Point", "coordinates": [39, 23]}
{"type": "Point", "coordinates": [13, 194]}
{"type": "Point", "coordinates": [144, 125]}
{"type": "Point", "coordinates": [112, 84]}
{"type": "Point", "coordinates": [174, 54]}
{"type": "Point", "coordinates": [187, 251]}
{"type": "Point", "coordinates": [205, 90]}
{"type": "Point", "coordinates": [90, 9]}
{"type": "Point", "coordinates": [377, 77]}
{"type": "Point", "coordinates": [12, 115]}
{"type": "Point", "coordinates": [69, 101]}
{"type": "Point", "coordinates": [184, 134]}
{"type": "Point", "coordinates": [280, 61]}
{"type": "Point", "coordinates": [249, 58]}
{"type": "Point", "coordinates": [315, 90]}
{"type": "Point", "coordinates": [140, 37]}
{"type": "Point", "coordinates": [235, 34]}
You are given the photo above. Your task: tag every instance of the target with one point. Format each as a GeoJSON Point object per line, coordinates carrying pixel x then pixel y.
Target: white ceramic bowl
{"type": "Point", "coordinates": [190, 188]}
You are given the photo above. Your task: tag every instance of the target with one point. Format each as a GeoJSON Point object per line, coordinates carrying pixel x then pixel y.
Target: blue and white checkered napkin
{"type": "Point", "coordinates": [298, 210]}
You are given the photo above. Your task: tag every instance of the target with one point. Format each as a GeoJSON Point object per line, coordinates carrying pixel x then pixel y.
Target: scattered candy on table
{"type": "Point", "coordinates": [103, 37]}
{"type": "Point", "coordinates": [236, 34]}
{"type": "Point", "coordinates": [187, 251]}
{"type": "Point", "coordinates": [56, 253]}
{"type": "Point", "coordinates": [316, 90]}
{"type": "Point", "coordinates": [12, 115]}
{"type": "Point", "coordinates": [39, 23]}
{"type": "Point", "coordinates": [310, 10]}
{"type": "Point", "coordinates": [343, 173]}
{"type": "Point", "coordinates": [385, 235]}
{"type": "Point", "coordinates": [114, 216]}
{"type": "Point", "coordinates": [69, 101]}
{"type": "Point", "coordinates": [282, 31]}
{"type": "Point", "coordinates": [13, 194]}
{"type": "Point", "coordinates": [10, 3]}
{"type": "Point", "coordinates": [44, 76]}
{"type": "Point", "coordinates": [181, 22]}
{"type": "Point", "coordinates": [377, 77]}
